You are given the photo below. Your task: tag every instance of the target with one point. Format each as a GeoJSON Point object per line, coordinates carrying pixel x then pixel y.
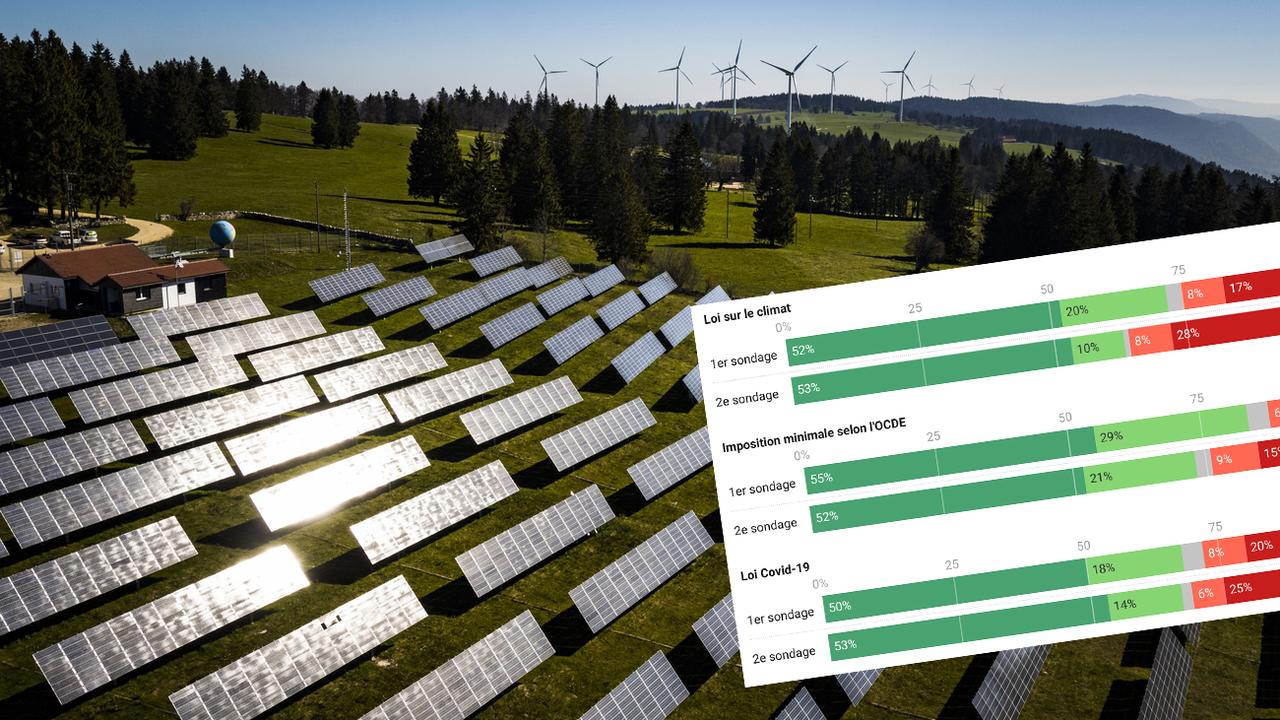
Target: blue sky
{"type": "Point", "coordinates": [1077, 51]}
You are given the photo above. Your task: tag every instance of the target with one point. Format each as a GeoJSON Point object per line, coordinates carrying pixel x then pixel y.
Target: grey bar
{"type": "Point", "coordinates": [1173, 293]}
{"type": "Point", "coordinates": [1204, 468]}
{"type": "Point", "coordinates": [1192, 557]}
{"type": "Point", "coordinates": [1259, 419]}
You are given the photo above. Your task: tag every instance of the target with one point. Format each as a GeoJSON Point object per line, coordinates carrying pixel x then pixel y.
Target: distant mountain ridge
{"type": "Point", "coordinates": [1198, 106]}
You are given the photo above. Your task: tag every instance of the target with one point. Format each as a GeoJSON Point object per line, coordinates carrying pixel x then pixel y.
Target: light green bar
{"type": "Point", "coordinates": [1113, 306]}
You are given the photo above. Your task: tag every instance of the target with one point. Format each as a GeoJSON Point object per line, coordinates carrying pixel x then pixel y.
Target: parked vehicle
{"type": "Point", "coordinates": [88, 236]}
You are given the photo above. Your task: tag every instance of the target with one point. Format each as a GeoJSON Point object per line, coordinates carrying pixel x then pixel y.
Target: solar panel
{"type": "Point", "coordinates": [19, 421]}
{"type": "Point", "coordinates": [503, 416]}
{"type": "Point", "coordinates": [31, 465]}
{"type": "Point", "coordinates": [227, 412]}
{"type": "Point", "coordinates": [511, 325]}
{"type": "Point", "coordinates": [256, 336]}
{"type": "Point", "coordinates": [59, 338]}
{"type": "Point", "coordinates": [562, 296]}
{"type": "Point", "coordinates": [717, 631]}
{"type": "Point", "coordinates": [602, 279]}
{"type": "Point", "coordinates": [79, 368]}
{"type": "Point", "coordinates": [612, 591]}
{"type": "Point", "coordinates": [680, 325]}
{"type": "Point", "coordinates": [346, 282]}
{"type": "Point", "coordinates": [656, 288]}
{"type": "Point", "coordinates": [573, 339]}
{"type": "Point", "coordinates": [86, 661]}
{"type": "Point", "coordinates": [491, 262]}
{"type": "Point", "coordinates": [1166, 692]}
{"type": "Point", "coordinates": [801, 707]}
{"type": "Point", "coordinates": [637, 356]}
{"type": "Point", "coordinates": [1190, 633]}
{"type": "Point", "coordinates": [126, 395]}
{"type": "Point", "coordinates": [319, 491]}
{"type": "Point", "coordinates": [673, 463]}
{"type": "Point", "coordinates": [418, 518]}
{"type": "Point", "coordinates": [270, 675]}
{"type": "Point", "coordinates": [452, 308]}
{"type": "Point", "coordinates": [512, 553]}
{"type": "Point", "coordinates": [387, 300]}
{"type": "Point", "coordinates": [311, 354]}
{"type": "Point", "coordinates": [652, 692]}
{"type": "Point", "coordinates": [693, 383]}
{"type": "Point", "coordinates": [501, 287]}
{"type": "Point", "coordinates": [856, 685]}
{"type": "Point", "coordinates": [351, 380]}
{"type": "Point", "coordinates": [458, 386]}
{"type": "Point", "coordinates": [64, 511]}
{"type": "Point", "coordinates": [572, 446]}
{"type": "Point", "coordinates": [549, 271]}
{"type": "Point", "coordinates": [1008, 683]}
{"type": "Point", "coordinates": [201, 316]}
{"type": "Point", "coordinates": [294, 438]}
{"type": "Point", "coordinates": [620, 309]}
{"type": "Point", "coordinates": [474, 677]}
{"type": "Point", "coordinates": [451, 246]}
{"type": "Point", "coordinates": [60, 584]}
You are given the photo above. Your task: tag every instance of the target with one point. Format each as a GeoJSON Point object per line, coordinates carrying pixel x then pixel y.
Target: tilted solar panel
{"type": "Point", "coordinates": [258, 335]}
{"type": "Point", "coordinates": [501, 287]}
{"type": "Point", "coordinates": [602, 279]}
{"type": "Point", "coordinates": [437, 250]}
{"type": "Point", "coordinates": [351, 380]}
{"type": "Point", "coordinates": [510, 413]}
{"type": "Point", "coordinates": [693, 383]}
{"type": "Point", "coordinates": [549, 271]}
{"type": "Point", "coordinates": [637, 356]}
{"type": "Point", "coordinates": [673, 463]}
{"type": "Point", "coordinates": [1008, 683]}
{"type": "Point", "coordinates": [656, 288]}
{"type": "Point", "coordinates": [1166, 692]}
{"type": "Point", "coordinates": [801, 706]}
{"type": "Point", "coordinates": [32, 465]}
{"type": "Point", "coordinates": [79, 368]}
{"type": "Point", "coordinates": [562, 296]}
{"type": "Point", "coordinates": [491, 262]}
{"type": "Point", "coordinates": [315, 353]}
{"type": "Point", "coordinates": [201, 316]}
{"type": "Point", "coordinates": [296, 437]}
{"type": "Point", "coordinates": [620, 309]}
{"type": "Point", "coordinates": [59, 338]}
{"type": "Point", "coordinates": [511, 325]}
{"type": "Point", "coordinates": [588, 438]}
{"type": "Point", "coordinates": [573, 339]}
{"type": "Point", "coordinates": [19, 421]}
{"type": "Point", "coordinates": [126, 395]}
{"type": "Point", "coordinates": [438, 393]}
{"type": "Point", "coordinates": [652, 692]}
{"type": "Point", "coordinates": [681, 324]}
{"type": "Point", "coordinates": [387, 300]}
{"type": "Point", "coordinates": [346, 282]}
{"type": "Point", "coordinates": [452, 308]}
{"type": "Point", "coordinates": [717, 631]}
{"type": "Point", "coordinates": [856, 685]}
{"type": "Point", "coordinates": [227, 412]}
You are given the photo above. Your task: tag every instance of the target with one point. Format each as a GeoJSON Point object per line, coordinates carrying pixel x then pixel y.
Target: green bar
{"type": "Point", "coordinates": [1028, 618]}
{"type": "Point", "coordinates": [1136, 473]}
{"type": "Point", "coordinates": [998, 453]}
{"type": "Point", "coordinates": [986, 324]}
{"type": "Point", "coordinates": [871, 471]}
{"type": "Point", "coordinates": [1100, 346]}
{"type": "Point", "coordinates": [853, 343]}
{"type": "Point", "coordinates": [1101, 609]}
{"type": "Point", "coordinates": [1009, 491]}
{"type": "Point", "coordinates": [1137, 564]}
{"type": "Point", "coordinates": [1021, 581]}
{"type": "Point", "coordinates": [1081, 441]}
{"type": "Point", "coordinates": [896, 638]}
{"type": "Point", "coordinates": [892, 599]}
{"type": "Point", "coordinates": [1225, 421]}
{"type": "Point", "coordinates": [1149, 431]}
{"type": "Point", "coordinates": [989, 363]}
{"type": "Point", "coordinates": [859, 381]}
{"type": "Point", "coordinates": [1113, 306]}
{"type": "Point", "coordinates": [1151, 601]}
{"type": "Point", "coordinates": [877, 510]}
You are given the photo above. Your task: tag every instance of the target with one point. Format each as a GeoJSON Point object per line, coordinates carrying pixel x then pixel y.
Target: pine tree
{"type": "Point", "coordinates": [565, 143]}
{"type": "Point", "coordinates": [434, 158]}
{"type": "Point", "coordinates": [804, 166]}
{"type": "Point", "coordinates": [479, 195]}
{"type": "Point", "coordinates": [1120, 195]}
{"type": "Point", "coordinates": [248, 101]}
{"type": "Point", "coordinates": [648, 169]}
{"type": "Point", "coordinates": [105, 170]}
{"type": "Point", "coordinates": [324, 120]}
{"type": "Point", "coordinates": [620, 224]}
{"type": "Point", "coordinates": [57, 120]}
{"type": "Point", "coordinates": [303, 97]}
{"type": "Point", "coordinates": [209, 102]}
{"type": "Point", "coordinates": [1256, 208]}
{"type": "Point", "coordinates": [1149, 214]}
{"type": "Point", "coordinates": [1012, 225]}
{"type": "Point", "coordinates": [1094, 220]}
{"type": "Point", "coordinates": [948, 215]}
{"type": "Point", "coordinates": [174, 126]}
{"type": "Point", "coordinates": [684, 182]}
{"type": "Point", "coordinates": [775, 215]}
{"type": "Point", "coordinates": [1211, 204]}
{"type": "Point", "coordinates": [348, 119]}
{"type": "Point", "coordinates": [529, 178]}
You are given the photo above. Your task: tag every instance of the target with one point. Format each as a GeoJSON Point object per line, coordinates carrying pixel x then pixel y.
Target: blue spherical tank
{"type": "Point", "coordinates": [222, 233]}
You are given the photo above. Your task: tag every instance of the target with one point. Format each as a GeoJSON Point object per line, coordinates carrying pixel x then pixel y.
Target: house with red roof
{"type": "Point", "coordinates": [117, 280]}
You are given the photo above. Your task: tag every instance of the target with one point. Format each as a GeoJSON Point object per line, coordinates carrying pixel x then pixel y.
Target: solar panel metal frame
{"type": "Point", "coordinates": [315, 353]}
{"type": "Point", "coordinates": [311, 433]}
{"type": "Point", "coordinates": [225, 413]}
{"type": "Point", "coordinates": [186, 319]}
{"type": "Point", "coordinates": [592, 437]}
{"type": "Point", "coordinates": [620, 309]}
{"type": "Point", "coordinates": [438, 393]}
{"type": "Point", "coordinates": [637, 357]}
{"type": "Point", "coordinates": [472, 678]}
{"type": "Point", "coordinates": [350, 380]}
{"type": "Point", "coordinates": [270, 675]}
{"type": "Point", "coordinates": [59, 338]}
{"type": "Point", "coordinates": [501, 287]}
{"type": "Point", "coordinates": [513, 412]}
{"type": "Point", "coordinates": [1190, 633]}
{"type": "Point", "coordinates": [241, 339]}
{"type": "Point", "coordinates": [105, 652]}
{"type": "Point", "coordinates": [64, 582]}
{"type": "Point", "coordinates": [662, 470]}
{"type": "Point", "coordinates": [603, 279]}
{"type": "Point", "coordinates": [1166, 693]}
{"type": "Point", "coordinates": [693, 383]}
{"type": "Point", "coordinates": [452, 308]}
{"type": "Point", "coordinates": [656, 288]}
{"type": "Point", "coordinates": [605, 596]}
{"type": "Point", "coordinates": [451, 246]}
{"type": "Point", "coordinates": [572, 340]}
{"type": "Point", "coordinates": [29, 418]}
{"type": "Point", "coordinates": [1008, 682]}
{"type": "Point", "coordinates": [60, 512]}
{"type": "Point", "coordinates": [511, 325]}
{"type": "Point", "coordinates": [652, 692]}
{"type": "Point", "coordinates": [562, 296]}
{"type": "Point", "coordinates": [678, 327]}
{"type": "Point", "coordinates": [38, 377]}
{"type": "Point", "coordinates": [325, 489]}
{"type": "Point", "coordinates": [384, 301]}
{"type": "Point", "coordinates": [491, 262]}
{"type": "Point", "coordinates": [408, 523]}
{"type": "Point", "coordinates": [550, 271]}
{"type": "Point", "coordinates": [856, 685]}
{"type": "Point", "coordinates": [718, 632]}
{"type": "Point", "coordinates": [29, 466]}
{"type": "Point", "coordinates": [801, 706]}
{"type": "Point", "coordinates": [515, 551]}
{"type": "Point", "coordinates": [346, 282]}
{"type": "Point", "coordinates": [126, 395]}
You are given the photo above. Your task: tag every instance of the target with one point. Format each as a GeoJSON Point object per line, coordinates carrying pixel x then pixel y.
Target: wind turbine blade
{"type": "Point", "coordinates": [796, 88]}
{"type": "Point", "coordinates": [686, 77]}
{"type": "Point", "coordinates": [824, 67]}
{"type": "Point", "coordinates": [605, 60]}
{"type": "Point", "coordinates": [908, 77]}
{"type": "Point", "coordinates": [556, 72]}
{"type": "Point", "coordinates": [585, 61]}
{"type": "Point", "coordinates": [890, 72]}
{"type": "Point", "coordinates": [544, 67]}
{"type": "Point", "coordinates": [775, 67]}
{"type": "Point", "coordinates": [681, 60]}
{"type": "Point", "coordinates": [846, 62]}
{"type": "Point", "coordinates": [913, 57]}
{"type": "Point", "coordinates": [738, 55]}
{"type": "Point", "coordinates": [806, 57]}
{"type": "Point", "coordinates": [669, 69]}
{"type": "Point", "coordinates": [744, 74]}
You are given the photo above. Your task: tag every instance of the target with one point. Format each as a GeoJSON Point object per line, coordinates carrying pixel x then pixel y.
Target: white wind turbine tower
{"type": "Point", "coordinates": [546, 86]}
{"type": "Point", "coordinates": [1000, 91]}
{"type": "Point", "coordinates": [722, 72]}
{"type": "Point", "coordinates": [903, 81]}
{"type": "Point", "coordinates": [887, 85]}
{"type": "Point", "coordinates": [791, 75]}
{"type": "Point", "coordinates": [676, 69]}
{"type": "Point", "coordinates": [596, 67]}
{"type": "Point", "coordinates": [733, 79]}
{"type": "Point", "coordinates": [970, 85]}
{"type": "Point", "coordinates": [832, 107]}
{"type": "Point", "coordinates": [929, 86]}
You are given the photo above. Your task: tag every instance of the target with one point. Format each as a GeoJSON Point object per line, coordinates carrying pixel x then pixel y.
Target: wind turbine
{"type": "Point", "coordinates": [596, 66]}
{"type": "Point", "coordinates": [887, 85]}
{"type": "Point", "coordinates": [546, 86]}
{"type": "Point", "coordinates": [929, 86]}
{"type": "Point", "coordinates": [1000, 91]}
{"type": "Point", "coordinates": [970, 85]}
{"type": "Point", "coordinates": [832, 108]}
{"type": "Point", "coordinates": [676, 69]}
{"type": "Point", "coordinates": [791, 75]}
{"type": "Point", "coordinates": [721, 72]}
{"type": "Point", "coordinates": [902, 92]}
{"type": "Point", "coordinates": [733, 79]}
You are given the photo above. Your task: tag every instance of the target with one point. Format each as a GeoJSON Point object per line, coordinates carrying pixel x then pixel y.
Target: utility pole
{"type": "Point", "coordinates": [69, 187]}
{"type": "Point", "coordinates": [727, 193]}
{"type": "Point", "coordinates": [317, 185]}
{"type": "Point", "coordinates": [346, 228]}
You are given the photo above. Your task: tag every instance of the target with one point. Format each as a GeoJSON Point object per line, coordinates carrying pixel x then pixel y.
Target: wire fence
{"type": "Point", "coordinates": [252, 243]}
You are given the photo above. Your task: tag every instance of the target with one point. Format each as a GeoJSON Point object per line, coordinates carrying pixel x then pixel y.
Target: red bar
{"type": "Point", "coordinates": [1251, 286]}
{"type": "Point", "coordinates": [1262, 546]}
{"type": "Point", "coordinates": [1234, 459]}
{"type": "Point", "coordinates": [1149, 340]}
{"type": "Point", "coordinates": [1273, 412]}
{"type": "Point", "coordinates": [1209, 593]}
{"type": "Point", "coordinates": [1269, 453]}
{"type": "Point", "coordinates": [1203, 293]}
{"type": "Point", "coordinates": [1231, 328]}
{"type": "Point", "coordinates": [1227, 551]}
{"type": "Point", "coordinates": [1254, 586]}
